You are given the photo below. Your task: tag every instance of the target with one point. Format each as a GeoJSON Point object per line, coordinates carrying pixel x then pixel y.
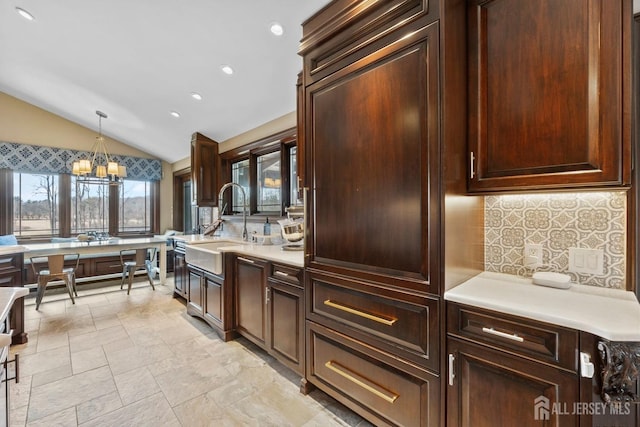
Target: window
{"type": "Point", "coordinates": [293, 173]}
{"type": "Point", "coordinates": [135, 207]}
{"type": "Point", "coordinates": [89, 207]}
{"type": "Point", "coordinates": [266, 170]}
{"type": "Point", "coordinates": [269, 182]}
{"type": "Point", "coordinates": [46, 205]}
{"type": "Point", "coordinates": [240, 175]}
{"type": "Point", "coordinates": [35, 205]}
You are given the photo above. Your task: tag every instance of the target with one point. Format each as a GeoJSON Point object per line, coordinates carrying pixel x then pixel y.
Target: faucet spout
{"type": "Point", "coordinates": [245, 235]}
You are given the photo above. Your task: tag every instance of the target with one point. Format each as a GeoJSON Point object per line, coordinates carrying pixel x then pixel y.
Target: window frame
{"type": "Point", "coordinates": [65, 208]}
{"type": "Point", "coordinates": [54, 208]}
{"type": "Point", "coordinates": [282, 142]}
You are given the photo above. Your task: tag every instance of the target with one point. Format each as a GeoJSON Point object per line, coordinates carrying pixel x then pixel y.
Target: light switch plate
{"type": "Point", "coordinates": [588, 261]}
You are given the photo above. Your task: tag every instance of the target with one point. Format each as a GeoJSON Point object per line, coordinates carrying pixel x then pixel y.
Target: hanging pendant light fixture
{"type": "Point", "coordinates": [100, 169]}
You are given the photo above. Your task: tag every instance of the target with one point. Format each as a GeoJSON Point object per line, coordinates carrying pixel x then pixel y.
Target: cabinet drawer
{"type": "Point", "coordinates": [11, 279]}
{"type": "Point", "coordinates": [536, 340]}
{"type": "Point", "coordinates": [394, 393]}
{"type": "Point", "coordinates": [10, 263]}
{"type": "Point", "coordinates": [286, 273]}
{"type": "Point", "coordinates": [388, 319]}
{"type": "Point", "coordinates": [109, 265]}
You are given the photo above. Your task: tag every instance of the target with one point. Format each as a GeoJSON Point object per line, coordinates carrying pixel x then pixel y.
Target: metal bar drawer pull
{"type": "Point", "coordinates": [388, 322]}
{"type": "Point", "coordinates": [512, 337]}
{"type": "Point", "coordinates": [281, 273]}
{"type": "Point", "coordinates": [363, 382]}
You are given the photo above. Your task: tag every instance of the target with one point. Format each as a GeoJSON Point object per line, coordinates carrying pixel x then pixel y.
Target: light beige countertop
{"type": "Point", "coordinates": [12, 249]}
{"type": "Point", "coordinates": [273, 253]}
{"type": "Point", "coordinates": [98, 246]}
{"type": "Point", "coordinates": [608, 313]}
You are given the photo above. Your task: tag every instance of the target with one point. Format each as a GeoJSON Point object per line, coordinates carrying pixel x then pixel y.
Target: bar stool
{"type": "Point", "coordinates": [55, 270]}
{"type": "Point", "coordinates": [140, 261]}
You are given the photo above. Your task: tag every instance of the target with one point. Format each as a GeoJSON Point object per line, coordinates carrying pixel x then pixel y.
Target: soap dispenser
{"type": "Point", "coordinates": [267, 228]}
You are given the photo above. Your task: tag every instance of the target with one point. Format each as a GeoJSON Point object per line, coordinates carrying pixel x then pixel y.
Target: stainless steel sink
{"type": "Point", "coordinates": [207, 255]}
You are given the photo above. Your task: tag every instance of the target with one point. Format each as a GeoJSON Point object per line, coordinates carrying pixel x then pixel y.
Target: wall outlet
{"type": "Point", "coordinates": [589, 261]}
{"type": "Point", "coordinates": [532, 255]}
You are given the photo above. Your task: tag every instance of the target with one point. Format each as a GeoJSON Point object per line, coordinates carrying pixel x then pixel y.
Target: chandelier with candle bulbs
{"type": "Point", "coordinates": [101, 169]}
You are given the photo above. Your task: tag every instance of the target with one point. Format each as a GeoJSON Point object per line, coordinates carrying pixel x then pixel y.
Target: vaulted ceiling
{"type": "Point", "coordinates": [138, 61]}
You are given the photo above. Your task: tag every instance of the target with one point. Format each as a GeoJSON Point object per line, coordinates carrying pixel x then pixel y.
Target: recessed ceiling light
{"type": "Point", "coordinates": [226, 69]}
{"type": "Point", "coordinates": [26, 15]}
{"type": "Point", "coordinates": [196, 95]}
{"type": "Point", "coordinates": [175, 114]}
{"type": "Point", "coordinates": [276, 29]}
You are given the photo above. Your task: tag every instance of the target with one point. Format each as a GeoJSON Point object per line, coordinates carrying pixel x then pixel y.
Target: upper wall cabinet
{"type": "Point", "coordinates": [205, 168]}
{"type": "Point", "coordinates": [346, 31]}
{"type": "Point", "coordinates": [549, 94]}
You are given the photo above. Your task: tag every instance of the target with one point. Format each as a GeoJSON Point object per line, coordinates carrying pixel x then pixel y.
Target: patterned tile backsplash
{"type": "Point", "coordinates": [557, 222]}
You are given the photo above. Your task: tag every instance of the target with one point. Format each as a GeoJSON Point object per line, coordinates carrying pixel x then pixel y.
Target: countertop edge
{"type": "Point", "coordinates": [273, 253]}
{"type": "Point", "coordinates": [7, 297]}
{"type": "Point", "coordinates": [608, 322]}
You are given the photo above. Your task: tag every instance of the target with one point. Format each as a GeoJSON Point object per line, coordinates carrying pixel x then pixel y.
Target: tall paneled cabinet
{"type": "Point", "coordinates": [384, 150]}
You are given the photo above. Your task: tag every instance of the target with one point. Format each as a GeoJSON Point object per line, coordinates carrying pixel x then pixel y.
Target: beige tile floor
{"type": "Point", "coordinates": [140, 360]}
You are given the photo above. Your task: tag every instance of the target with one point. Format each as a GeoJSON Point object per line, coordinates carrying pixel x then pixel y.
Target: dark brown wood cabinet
{"type": "Point", "coordinates": [213, 298]}
{"type": "Point", "coordinates": [205, 171]}
{"type": "Point", "coordinates": [376, 124]}
{"type": "Point", "coordinates": [250, 278]}
{"type": "Point", "coordinates": [209, 296]}
{"type": "Point", "coordinates": [195, 303]}
{"type": "Point", "coordinates": [549, 94]}
{"type": "Point", "coordinates": [363, 378]}
{"type": "Point", "coordinates": [285, 316]}
{"type": "Point", "coordinates": [489, 387]}
{"type": "Point", "coordinates": [11, 275]}
{"type": "Point", "coordinates": [269, 301]}
{"type": "Point", "coordinates": [180, 272]}
{"type": "Point", "coordinates": [374, 106]}
{"type": "Point", "coordinates": [519, 363]}
{"type": "Point", "coordinates": [508, 370]}
{"type": "Point", "coordinates": [107, 265]}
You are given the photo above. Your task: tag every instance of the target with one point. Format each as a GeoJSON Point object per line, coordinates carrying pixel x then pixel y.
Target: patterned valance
{"type": "Point", "coordinates": [39, 159]}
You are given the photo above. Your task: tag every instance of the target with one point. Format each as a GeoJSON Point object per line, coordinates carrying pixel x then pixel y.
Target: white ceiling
{"type": "Point", "coordinates": [138, 60]}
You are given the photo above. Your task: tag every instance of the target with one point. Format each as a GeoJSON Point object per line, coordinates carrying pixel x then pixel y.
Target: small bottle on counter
{"type": "Point", "coordinates": [267, 228]}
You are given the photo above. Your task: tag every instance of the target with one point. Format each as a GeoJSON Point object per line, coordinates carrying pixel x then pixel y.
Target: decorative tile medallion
{"type": "Point", "coordinates": [592, 220]}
